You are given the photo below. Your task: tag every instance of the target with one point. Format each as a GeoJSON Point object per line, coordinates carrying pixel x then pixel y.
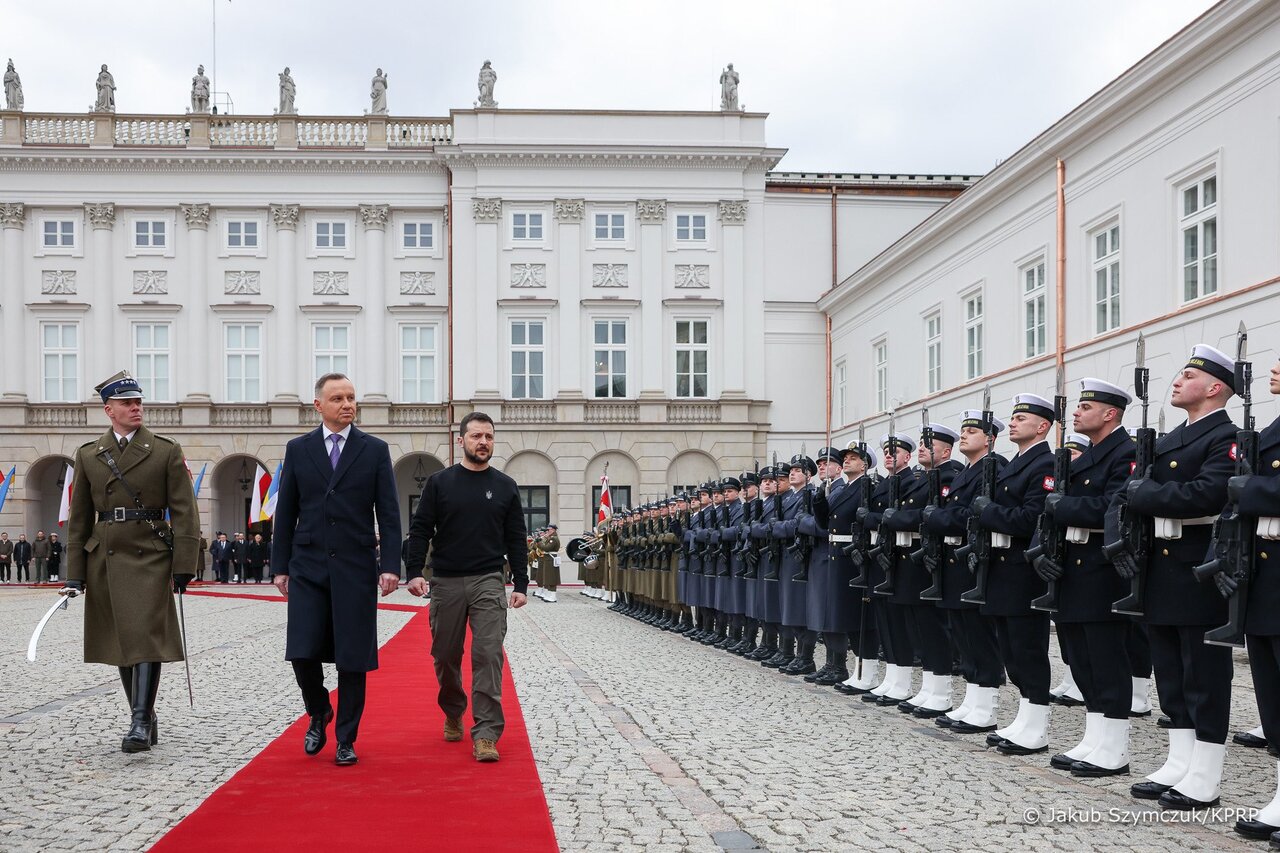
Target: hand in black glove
{"type": "Point", "coordinates": [856, 556]}
{"type": "Point", "coordinates": [861, 515]}
{"type": "Point", "coordinates": [1126, 565]}
{"type": "Point", "coordinates": [71, 588]}
{"type": "Point", "coordinates": [180, 583]}
{"type": "Point", "coordinates": [1236, 486]}
{"type": "Point", "coordinates": [1225, 583]}
{"type": "Point", "coordinates": [930, 563]}
{"type": "Point", "coordinates": [979, 503]}
{"type": "Point", "coordinates": [925, 513]}
{"type": "Point", "coordinates": [1051, 501]}
{"type": "Point", "coordinates": [887, 514]}
{"type": "Point", "coordinates": [1047, 569]}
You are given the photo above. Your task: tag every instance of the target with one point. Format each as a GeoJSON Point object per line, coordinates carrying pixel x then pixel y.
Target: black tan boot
{"type": "Point", "coordinates": [146, 684]}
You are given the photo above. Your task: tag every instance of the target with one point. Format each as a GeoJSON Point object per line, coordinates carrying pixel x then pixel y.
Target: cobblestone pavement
{"type": "Point", "coordinates": [644, 741]}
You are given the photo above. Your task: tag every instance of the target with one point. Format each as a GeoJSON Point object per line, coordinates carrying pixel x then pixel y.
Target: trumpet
{"type": "Point", "coordinates": [585, 550]}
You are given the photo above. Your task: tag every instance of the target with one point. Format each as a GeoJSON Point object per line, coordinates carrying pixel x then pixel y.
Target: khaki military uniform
{"type": "Point", "coordinates": [127, 570]}
{"type": "Point", "coordinates": [548, 571]}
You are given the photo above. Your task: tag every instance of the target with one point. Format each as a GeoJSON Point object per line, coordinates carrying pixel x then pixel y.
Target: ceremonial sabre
{"type": "Point", "coordinates": [186, 659]}
{"type": "Point", "coordinates": [60, 604]}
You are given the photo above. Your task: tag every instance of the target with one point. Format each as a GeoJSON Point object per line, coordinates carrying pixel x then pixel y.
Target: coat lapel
{"type": "Point", "coordinates": [139, 448]}
{"type": "Point", "coordinates": [352, 449]}
{"type": "Point", "coordinates": [1023, 460]}
{"type": "Point", "coordinates": [315, 449]}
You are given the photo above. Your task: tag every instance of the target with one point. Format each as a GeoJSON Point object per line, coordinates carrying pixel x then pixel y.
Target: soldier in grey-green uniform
{"type": "Point", "coordinates": [125, 556]}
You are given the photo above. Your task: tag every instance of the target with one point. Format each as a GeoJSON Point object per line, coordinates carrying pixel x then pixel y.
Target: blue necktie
{"type": "Point", "coordinates": [335, 453]}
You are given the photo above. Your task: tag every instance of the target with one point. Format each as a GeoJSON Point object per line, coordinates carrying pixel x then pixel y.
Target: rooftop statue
{"type": "Point", "coordinates": [287, 92]}
{"type": "Point", "coordinates": [106, 102]}
{"type": "Point", "coordinates": [378, 92]}
{"type": "Point", "coordinates": [12, 89]}
{"type": "Point", "coordinates": [729, 90]}
{"type": "Point", "coordinates": [487, 78]}
{"type": "Point", "coordinates": [200, 92]}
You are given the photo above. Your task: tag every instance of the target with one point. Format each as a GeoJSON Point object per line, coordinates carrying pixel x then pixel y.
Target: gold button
{"type": "Point", "coordinates": [1077, 562]}
{"type": "Point", "coordinates": [1275, 463]}
{"type": "Point", "coordinates": [1164, 551]}
{"type": "Point", "coordinates": [1262, 554]}
{"type": "Point", "coordinates": [1086, 482]}
{"type": "Point", "coordinates": [1002, 559]}
{"type": "Point", "coordinates": [1173, 464]}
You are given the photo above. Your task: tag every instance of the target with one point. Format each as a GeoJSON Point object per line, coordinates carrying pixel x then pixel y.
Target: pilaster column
{"type": "Point", "coordinates": [569, 214]}
{"type": "Point", "coordinates": [285, 345]}
{"type": "Point", "coordinates": [193, 364]}
{"type": "Point", "coordinates": [98, 348]}
{"type": "Point", "coordinates": [13, 218]}
{"type": "Point", "coordinates": [733, 216]}
{"type": "Point", "coordinates": [487, 213]}
{"type": "Point", "coordinates": [652, 216]}
{"type": "Point", "coordinates": [371, 342]}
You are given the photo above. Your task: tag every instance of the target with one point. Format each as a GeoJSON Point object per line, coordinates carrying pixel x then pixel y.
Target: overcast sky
{"type": "Point", "coordinates": [942, 86]}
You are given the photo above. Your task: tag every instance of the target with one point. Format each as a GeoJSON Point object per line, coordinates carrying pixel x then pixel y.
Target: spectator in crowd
{"type": "Point", "coordinates": [40, 556]}
{"type": "Point", "coordinates": [221, 553]}
{"type": "Point", "coordinates": [204, 547]}
{"type": "Point", "coordinates": [257, 555]}
{"type": "Point", "coordinates": [238, 547]}
{"type": "Point", "coordinates": [6, 557]}
{"type": "Point", "coordinates": [22, 558]}
{"type": "Point", "coordinates": [55, 556]}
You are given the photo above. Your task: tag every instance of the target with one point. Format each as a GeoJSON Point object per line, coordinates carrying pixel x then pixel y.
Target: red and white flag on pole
{"type": "Point", "coordinates": [606, 503]}
{"type": "Point", "coordinates": [261, 485]}
{"type": "Point", "coordinates": [64, 507]}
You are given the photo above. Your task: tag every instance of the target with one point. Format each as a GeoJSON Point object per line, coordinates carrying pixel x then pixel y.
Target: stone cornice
{"type": "Point", "coordinates": [329, 162]}
{"type": "Point", "coordinates": [567, 156]}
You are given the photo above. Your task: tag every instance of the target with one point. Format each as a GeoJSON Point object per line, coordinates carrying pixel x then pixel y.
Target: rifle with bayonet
{"type": "Point", "coordinates": [859, 532]}
{"type": "Point", "coordinates": [1232, 564]}
{"type": "Point", "coordinates": [775, 544]}
{"type": "Point", "coordinates": [976, 551]}
{"type": "Point", "coordinates": [1053, 537]}
{"type": "Point", "coordinates": [1136, 531]}
{"type": "Point", "coordinates": [929, 554]}
{"type": "Point", "coordinates": [802, 547]}
{"type": "Point", "coordinates": [725, 549]}
{"type": "Point", "coordinates": [882, 553]}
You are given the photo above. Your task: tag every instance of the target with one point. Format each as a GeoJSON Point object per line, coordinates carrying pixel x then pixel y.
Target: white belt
{"type": "Point", "coordinates": [952, 540]}
{"type": "Point", "coordinates": [1080, 535]}
{"type": "Point", "coordinates": [841, 538]}
{"type": "Point", "coordinates": [1269, 528]}
{"type": "Point", "coordinates": [1171, 528]}
{"type": "Point", "coordinates": [875, 536]}
{"type": "Point", "coordinates": [1001, 540]}
{"type": "Point", "coordinates": [905, 539]}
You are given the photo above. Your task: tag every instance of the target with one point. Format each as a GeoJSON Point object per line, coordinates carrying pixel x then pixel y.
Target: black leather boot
{"type": "Point", "coordinates": [820, 673]}
{"type": "Point", "coordinates": [146, 684]}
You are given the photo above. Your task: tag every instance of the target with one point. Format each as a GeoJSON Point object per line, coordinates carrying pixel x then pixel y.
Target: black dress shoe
{"type": "Point", "coordinates": [1275, 840]}
{"type": "Point", "coordinates": [1062, 761]}
{"type": "Point", "coordinates": [1164, 722]}
{"type": "Point", "coordinates": [870, 697]}
{"type": "Point", "coordinates": [1148, 790]}
{"type": "Point", "coordinates": [929, 713]}
{"type": "Point", "coordinates": [1086, 770]}
{"type": "Point", "coordinates": [1140, 713]}
{"type": "Point", "coordinates": [345, 755]}
{"type": "Point", "coordinates": [813, 677]}
{"type": "Point", "coordinates": [960, 727]}
{"type": "Point", "coordinates": [906, 707]}
{"type": "Point", "coordinates": [832, 678]}
{"type": "Point", "coordinates": [1171, 799]}
{"type": "Point", "coordinates": [943, 721]}
{"type": "Point", "coordinates": [799, 667]}
{"type": "Point", "coordinates": [1008, 747]}
{"type": "Point", "coordinates": [887, 701]}
{"type": "Point", "coordinates": [994, 739]}
{"type": "Point", "coordinates": [1256, 829]}
{"type": "Point", "coordinates": [1251, 740]}
{"type": "Point", "coordinates": [1066, 701]}
{"type": "Point", "coordinates": [314, 740]}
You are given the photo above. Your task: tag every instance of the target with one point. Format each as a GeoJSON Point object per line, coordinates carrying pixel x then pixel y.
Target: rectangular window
{"type": "Point", "coordinates": [331, 346]}
{"type": "Point", "coordinates": [842, 391]}
{"type": "Point", "coordinates": [691, 226]}
{"type": "Point", "coordinates": [151, 354]}
{"type": "Point", "coordinates": [242, 234]}
{"type": "Point", "coordinates": [60, 351]}
{"type": "Point", "coordinates": [243, 347]}
{"type": "Point", "coordinates": [149, 234]}
{"type": "Point", "coordinates": [418, 364]}
{"type": "Point", "coordinates": [610, 226]}
{"type": "Point", "coordinates": [933, 352]}
{"type": "Point", "coordinates": [331, 235]}
{"type": "Point", "coordinates": [619, 496]}
{"type": "Point", "coordinates": [880, 363]}
{"type": "Point", "coordinates": [973, 336]}
{"type": "Point", "coordinates": [526, 226]}
{"type": "Point", "coordinates": [418, 235]}
{"type": "Point", "coordinates": [59, 234]}
{"type": "Point", "coordinates": [610, 358]}
{"type": "Point", "coordinates": [528, 354]}
{"type": "Point", "coordinates": [1033, 310]}
{"type": "Point", "coordinates": [536, 503]}
{"type": "Point", "coordinates": [1106, 279]}
{"type": "Point", "coordinates": [1200, 239]}
{"type": "Point", "coordinates": [692, 352]}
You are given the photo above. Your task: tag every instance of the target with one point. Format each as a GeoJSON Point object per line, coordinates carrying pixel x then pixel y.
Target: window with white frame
{"type": "Point", "coordinates": [1106, 279]}
{"type": "Point", "coordinates": [611, 226]}
{"type": "Point", "coordinates": [150, 234]}
{"type": "Point", "coordinates": [58, 234]}
{"type": "Point", "coordinates": [610, 358]}
{"type": "Point", "coordinates": [242, 234]}
{"type": "Point", "coordinates": [331, 235]}
{"type": "Point", "coordinates": [151, 359]}
{"type": "Point", "coordinates": [933, 352]}
{"type": "Point", "coordinates": [331, 348]}
{"type": "Point", "coordinates": [417, 235]}
{"type": "Point", "coordinates": [692, 352]}
{"type": "Point", "coordinates": [242, 345]}
{"type": "Point", "coordinates": [526, 226]}
{"type": "Point", "coordinates": [842, 391]}
{"type": "Point", "coordinates": [60, 370]}
{"type": "Point", "coordinates": [973, 336]}
{"type": "Point", "coordinates": [1033, 309]}
{"type": "Point", "coordinates": [880, 364]}
{"type": "Point", "coordinates": [691, 227]}
{"type": "Point", "coordinates": [528, 359]}
{"type": "Point", "coordinates": [418, 363]}
{"type": "Point", "coordinates": [1199, 225]}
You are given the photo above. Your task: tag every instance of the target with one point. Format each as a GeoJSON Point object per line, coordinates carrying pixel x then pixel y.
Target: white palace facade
{"type": "Point", "coordinates": [643, 289]}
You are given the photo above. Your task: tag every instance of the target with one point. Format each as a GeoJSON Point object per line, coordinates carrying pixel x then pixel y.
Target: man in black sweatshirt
{"type": "Point", "coordinates": [470, 516]}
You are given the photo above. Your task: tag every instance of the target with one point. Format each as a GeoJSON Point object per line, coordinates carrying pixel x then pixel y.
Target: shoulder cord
{"type": "Point", "coordinates": [115, 470]}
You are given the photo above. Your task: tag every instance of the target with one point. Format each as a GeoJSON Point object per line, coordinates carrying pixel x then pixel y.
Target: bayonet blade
{"type": "Point", "coordinates": [1141, 358]}
{"type": "Point", "coordinates": [986, 398]}
{"type": "Point", "coordinates": [1160, 423]}
{"type": "Point", "coordinates": [1242, 343]}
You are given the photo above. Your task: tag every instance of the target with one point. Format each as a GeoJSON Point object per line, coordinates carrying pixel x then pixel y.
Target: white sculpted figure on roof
{"type": "Point", "coordinates": [200, 92]}
{"type": "Point", "coordinates": [729, 90]}
{"type": "Point", "coordinates": [287, 92]}
{"type": "Point", "coordinates": [12, 88]}
{"type": "Point", "coordinates": [378, 93]}
{"type": "Point", "coordinates": [487, 78]}
{"type": "Point", "coordinates": [106, 84]}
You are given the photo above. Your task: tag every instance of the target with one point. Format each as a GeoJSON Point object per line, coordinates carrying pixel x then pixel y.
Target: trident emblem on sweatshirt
{"type": "Point", "coordinates": [488, 495]}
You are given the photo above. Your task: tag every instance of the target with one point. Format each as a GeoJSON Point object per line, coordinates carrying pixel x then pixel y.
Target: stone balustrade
{"type": "Point", "coordinates": [200, 131]}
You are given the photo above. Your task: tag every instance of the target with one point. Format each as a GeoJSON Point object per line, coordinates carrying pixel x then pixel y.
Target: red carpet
{"type": "Point", "coordinates": [410, 791]}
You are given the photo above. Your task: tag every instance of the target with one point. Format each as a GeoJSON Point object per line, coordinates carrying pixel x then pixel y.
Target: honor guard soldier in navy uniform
{"type": "Point", "coordinates": [704, 624]}
{"type": "Point", "coordinates": [744, 578]}
{"type": "Point", "coordinates": [124, 554]}
{"type": "Point", "coordinates": [1183, 493]}
{"type": "Point", "coordinates": [712, 566]}
{"type": "Point", "coordinates": [1092, 636]}
{"type": "Point", "coordinates": [891, 620]}
{"type": "Point", "coordinates": [973, 634]}
{"type": "Point", "coordinates": [832, 606]}
{"type": "Point", "coordinates": [768, 607]}
{"type": "Point", "coordinates": [859, 461]}
{"type": "Point", "coordinates": [1023, 633]}
{"type": "Point", "coordinates": [1258, 497]}
{"type": "Point", "coordinates": [793, 589]}
{"type": "Point", "coordinates": [925, 620]}
{"type": "Point", "coordinates": [783, 500]}
{"type": "Point", "coordinates": [730, 592]}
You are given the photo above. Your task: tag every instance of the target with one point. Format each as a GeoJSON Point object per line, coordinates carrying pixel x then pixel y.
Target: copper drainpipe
{"type": "Point", "coordinates": [448, 310]}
